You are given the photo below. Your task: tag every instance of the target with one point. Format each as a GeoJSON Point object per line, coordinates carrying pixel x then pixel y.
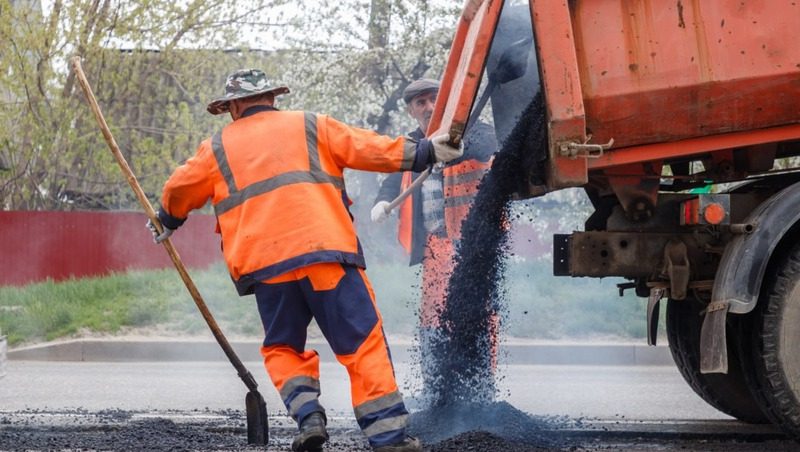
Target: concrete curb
{"type": "Point", "coordinates": [3, 356]}
{"type": "Point", "coordinates": [91, 350]}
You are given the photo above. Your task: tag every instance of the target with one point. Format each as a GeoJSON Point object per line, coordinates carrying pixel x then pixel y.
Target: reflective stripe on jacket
{"type": "Point", "coordinates": [461, 183]}
{"type": "Point", "coordinates": [275, 181]}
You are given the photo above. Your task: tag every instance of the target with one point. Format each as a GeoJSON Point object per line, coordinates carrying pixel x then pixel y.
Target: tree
{"type": "Point", "coordinates": [357, 61]}
{"type": "Point", "coordinates": [155, 63]}
{"type": "Point", "coordinates": [52, 155]}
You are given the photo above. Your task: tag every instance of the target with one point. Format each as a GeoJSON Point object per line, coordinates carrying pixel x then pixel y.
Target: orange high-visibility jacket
{"type": "Point", "coordinates": [461, 181]}
{"type": "Point", "coordinates": [275, 181]}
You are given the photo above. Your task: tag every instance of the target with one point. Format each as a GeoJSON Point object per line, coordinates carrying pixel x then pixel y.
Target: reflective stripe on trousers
{"type": "Point", "coordinates": [301, 397]}
{"type": "Point", "coordinates": [342, 302]}
{"type": "Point", "coordinates": [383, 420]}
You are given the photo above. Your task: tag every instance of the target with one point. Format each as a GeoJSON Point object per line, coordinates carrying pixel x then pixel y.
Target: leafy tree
{"type": "Point", "coordinates": [154, 64]}
{"type": "Point", "coordinates": [357, 59]}
{"type": "Point", "coordinates": [50, 150]}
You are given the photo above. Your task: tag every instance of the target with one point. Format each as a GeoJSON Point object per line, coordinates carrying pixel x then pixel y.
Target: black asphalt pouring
{"type": "Point", "coordinates": [461, 385]}
{"type": "Point", "coordinates": [462, 351]}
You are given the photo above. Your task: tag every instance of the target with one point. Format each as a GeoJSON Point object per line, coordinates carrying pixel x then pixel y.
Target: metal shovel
{"type": "Point", "coordinates": [257, 422]}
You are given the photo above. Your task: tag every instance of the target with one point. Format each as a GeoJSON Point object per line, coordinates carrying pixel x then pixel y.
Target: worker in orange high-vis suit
{"type": "Point", "coordinates": [430, 219]}
{"type": "Point", "coordinates": [275, 181]}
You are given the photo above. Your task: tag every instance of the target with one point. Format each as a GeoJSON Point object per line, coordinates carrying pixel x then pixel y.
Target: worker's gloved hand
{"type": "Point", "coordinates": [379, 211]}
{"type": "Point", "coordinates": [443, 151]}
{"type": "Point", "coordinates": [158, 238]}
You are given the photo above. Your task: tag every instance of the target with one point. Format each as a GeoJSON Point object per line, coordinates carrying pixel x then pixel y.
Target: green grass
{"type": "Point", "coordinates": [51, 310]}
{"type": "Point", "coordinates": [538, 305]}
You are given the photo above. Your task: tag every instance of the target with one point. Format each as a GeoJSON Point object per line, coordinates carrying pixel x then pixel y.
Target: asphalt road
{"type": "Point", "coordinates": [635, 392]}
{"type": "Point", "coordinates": [103, 405]}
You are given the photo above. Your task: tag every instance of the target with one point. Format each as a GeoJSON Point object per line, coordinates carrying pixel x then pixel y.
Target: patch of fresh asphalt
{"type": "Point", "coordinates": [183, 405]}
{"type": "Point", "coordinates": [146, 395]}
{"type": "Point", "coordinates": [224, 430]}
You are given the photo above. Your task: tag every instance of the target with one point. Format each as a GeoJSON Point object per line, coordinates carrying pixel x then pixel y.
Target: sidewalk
{"type": "Point", "coordinates": [168, 349]}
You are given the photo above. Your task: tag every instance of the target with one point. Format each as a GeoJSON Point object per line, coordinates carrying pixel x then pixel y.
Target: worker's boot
{"type": "Point", "coordinates": [410, 444]}
{"type": "Point", "coordinates": [312, 434]}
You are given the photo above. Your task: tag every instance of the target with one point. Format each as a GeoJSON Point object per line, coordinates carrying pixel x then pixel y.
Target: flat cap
{"type": "Point", "coordinates": [418, 87]}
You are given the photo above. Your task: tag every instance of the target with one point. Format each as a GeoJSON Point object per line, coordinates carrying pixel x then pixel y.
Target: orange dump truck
{"type": "Point", "coordinates": [681, 121]}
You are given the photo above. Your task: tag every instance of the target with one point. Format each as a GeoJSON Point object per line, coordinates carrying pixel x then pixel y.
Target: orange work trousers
{"type": "Point", "coordinates": [340, 299]}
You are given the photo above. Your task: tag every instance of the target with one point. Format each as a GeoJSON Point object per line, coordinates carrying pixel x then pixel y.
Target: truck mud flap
{"type": "Point", "coordinates": [713, 340]}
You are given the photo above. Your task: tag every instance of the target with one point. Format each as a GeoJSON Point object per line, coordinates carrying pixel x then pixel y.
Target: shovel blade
{"type": "Point", "coordinates": [257, 422]}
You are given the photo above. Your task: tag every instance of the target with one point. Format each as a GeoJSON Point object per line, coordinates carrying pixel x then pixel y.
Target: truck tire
{"type": "Point", "coordinates": [773, 344]}
{"type": "Point", "coordinates": [729, 392]}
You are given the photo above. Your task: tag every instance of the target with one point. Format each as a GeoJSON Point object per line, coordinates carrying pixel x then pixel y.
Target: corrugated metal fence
{"type": "Point", "coordinates": [37, 245]}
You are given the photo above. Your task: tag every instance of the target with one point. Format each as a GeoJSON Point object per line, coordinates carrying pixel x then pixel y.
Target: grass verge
{"type": "Point", "coordinates": [108, 305]}
{"type": "Point", "coordinates": [537, 305]}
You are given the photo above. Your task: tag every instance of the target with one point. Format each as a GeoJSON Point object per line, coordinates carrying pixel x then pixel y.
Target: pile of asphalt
{"type": "Point", "coordinates": [483, 441]}
{"type": "Point", "coordinates": [498, 420]}
{"type": "Point", "coordinates": [205, 430]}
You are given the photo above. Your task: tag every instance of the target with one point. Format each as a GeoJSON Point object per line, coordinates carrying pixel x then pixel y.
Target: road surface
{"type": "Point", "coordinates": [63, 405]}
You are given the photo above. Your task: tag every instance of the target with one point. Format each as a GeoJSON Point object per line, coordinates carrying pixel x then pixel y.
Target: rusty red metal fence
{"type": "Point", "coordinates": [37, 245]}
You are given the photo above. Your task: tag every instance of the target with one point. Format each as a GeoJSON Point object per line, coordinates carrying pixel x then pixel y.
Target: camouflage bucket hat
{"type": "Point", "coordinates": [243, 83]}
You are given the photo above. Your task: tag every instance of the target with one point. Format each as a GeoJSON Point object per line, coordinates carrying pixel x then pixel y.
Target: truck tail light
{"type": "Point", "coordinates": [691, 209]}
{"type": "Point", "coordinates": [706, 209]}
{"type": "Point", "coordinates": [714, 213]}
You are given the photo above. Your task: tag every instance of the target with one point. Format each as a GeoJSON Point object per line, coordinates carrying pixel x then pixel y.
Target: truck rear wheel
{"type": "Point", "coordinates": [729, 392]}
{"type": "Point", "coordinates": [773, 344]}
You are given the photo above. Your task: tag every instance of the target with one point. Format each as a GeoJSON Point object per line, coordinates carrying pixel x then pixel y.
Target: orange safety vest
{"type": "Point", "coordinates": [461, 183]}
{"type": "Point", "coordinates": [275, 181]}
{"type": "Point", "coordinates": [406, 215]}
{"type": "Point", "coordinates": [460, 186]}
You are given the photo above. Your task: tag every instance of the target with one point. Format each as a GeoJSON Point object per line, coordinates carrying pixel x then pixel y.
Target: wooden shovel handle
{"type": "Point", "coordinates": [173, 253]}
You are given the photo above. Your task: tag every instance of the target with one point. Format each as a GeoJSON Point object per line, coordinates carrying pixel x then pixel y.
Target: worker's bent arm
{"type": "Point", "coordinates": [365, 150]}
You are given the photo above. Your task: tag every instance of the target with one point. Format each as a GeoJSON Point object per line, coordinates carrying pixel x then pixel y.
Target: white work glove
{"type": "Point", "coordinates": [380, 212]}
{"type": "Point", "coordinates": [158, 238]}
{"type": "Point", "coordinates": [443, 151]}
